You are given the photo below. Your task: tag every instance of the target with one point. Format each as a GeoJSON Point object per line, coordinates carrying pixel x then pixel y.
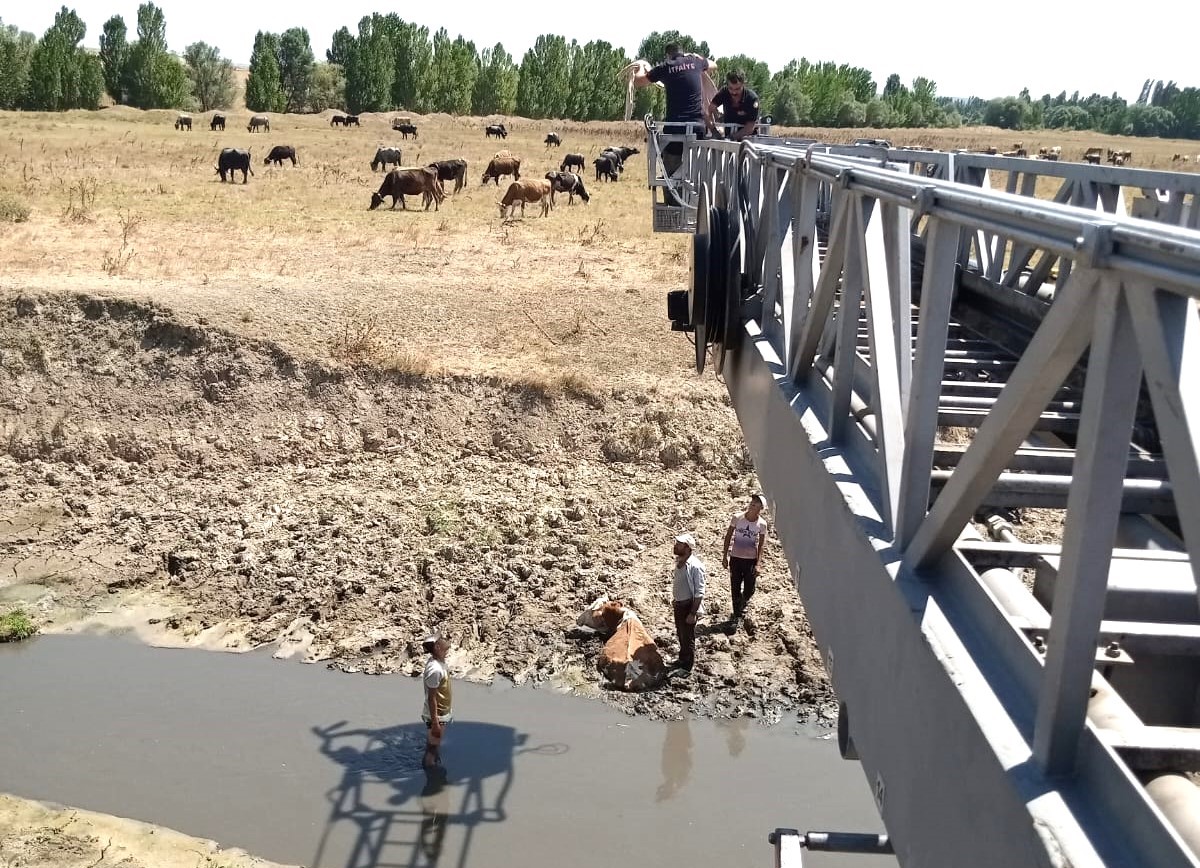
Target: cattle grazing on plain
{"type": "Point", "coordinates": [217, 123]}
{"type": "Point", "coordinates": [350, 121]}
{"type": "Point", "coordinates": [452, 170]}
{"type": "Point", "coordinates": [502, 164]}
{"type": "Point", "coordinates": [279, 153]}
{"type": "Point", "coordinates": [405, 128]}
{"type": "Point", "coordinates": [233, 160]}
{"type": "Point", "coordinates": [1120, 158]}
{"type": "Point", "coordinates": [569, 183]}
{"type": "Point", "coordinates": [385, 157]}
{"type": "Point", "coordinates": [496, 130]}
{"type": "Point", "coordinates": [619, 156]}
{"type": "Point", "coordinates": [527, 191]}
{"type": "Point", "coordinates": [184, 122]}
{"type": "Point", "coordinates": [1093, 156]}
{"type": "Point", "coordinates": [607, 167]}
{"type": "Point", "coordinates": [399, 183]}
{"type": "Point", "coordinates": [553, 140]}
{"type": "Point", "coordinates": [337, 121]}
{"type": "Point", "coordinates": [571, 161]}
{"type": "Point", "coordinates": [259, 123]}
{"type": "Point", "coordinates": [1052, 154]}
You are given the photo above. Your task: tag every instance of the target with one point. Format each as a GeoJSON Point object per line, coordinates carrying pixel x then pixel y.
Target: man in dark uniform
{"type": "Point", "coordinates": [681, 75]}
{"type": "Point", "coordinates": [740, 105]}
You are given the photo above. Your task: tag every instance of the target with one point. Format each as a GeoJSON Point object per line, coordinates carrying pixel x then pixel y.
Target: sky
{"type": "Point", "coordinates": [968, 48]}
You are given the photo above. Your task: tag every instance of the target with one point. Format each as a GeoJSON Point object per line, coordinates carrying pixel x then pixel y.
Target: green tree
{"type": "Point", "coordinates": [62, 75]}
{"type": "Point", "coordinates": [851, 113]}
{"type": "Point", "coordinates": [153, 78]}
{"type": "Point", "coordinates": [264, 86]}
{"type": "Point", "coordinates": [295, 68]}
{"type": "Point", "coordinates": [412, 62]}
{"type": "Point", "coordinates": [211, 76]}
{"type": "Point", "coordinates": [595, 91]}
{"type": "Point", "coordinates": [1008, 113]}
{"type": "Point", "coordinates": [1151, 120]}
{"type": "Point", "coordinates": [543, 90]}
{"type": "Point", "coordinates": [16, 52]}
{"type": "Point", "coordinates": [451, 81]}
{"type": "Point", "coordinates": [339, 51]}
{"type": "Point", "coordinates": [328, 90]}
{"type": "Point", "coordinates": [496, 85]}
{"type": "Point", "coordinates": [792, 107]}
{"type": "Point", "coordinates": [371, 69]}
{"type": "Point", "coordinates": [114, 56]}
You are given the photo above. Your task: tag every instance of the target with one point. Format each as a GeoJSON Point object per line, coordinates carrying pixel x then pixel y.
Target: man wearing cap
{"type": "Point", "coordinates": [747, 535]}
{"type": "Point", "coordinates": [687, 594]}
{"type": "Point", "coordinates": [437, 709]}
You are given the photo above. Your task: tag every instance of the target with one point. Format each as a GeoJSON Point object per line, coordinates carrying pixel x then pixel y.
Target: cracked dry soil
{"type": "Point", "coordinates": [258, 498]}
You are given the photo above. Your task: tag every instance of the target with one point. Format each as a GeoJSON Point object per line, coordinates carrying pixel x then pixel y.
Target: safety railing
{"type": "Point", "coordinates": [805, 260]}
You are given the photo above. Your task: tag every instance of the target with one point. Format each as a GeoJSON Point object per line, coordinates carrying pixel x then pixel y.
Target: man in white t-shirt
{"type": "Point", "coordinates": [687, 598]}
{"type": "Point", "coordinates": [437, 709]}
{"type": "Point", "coordinates": [744, 542]}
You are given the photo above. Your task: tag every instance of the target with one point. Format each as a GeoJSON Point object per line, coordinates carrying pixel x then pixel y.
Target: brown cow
{"type": "Point", "coordinates": [399, 183]}
{"type": "Point", "coordinates": [539, 190]}
{"type": "Point", "coordinates": [502, 164]}
{"type": "Point", "coordinates": [630, 659]}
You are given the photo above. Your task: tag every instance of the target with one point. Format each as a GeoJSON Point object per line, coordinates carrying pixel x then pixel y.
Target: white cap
{"type": "Point", "coordinates": [687, 539]}
{"type": "Point", "coordinates": [431, 637]}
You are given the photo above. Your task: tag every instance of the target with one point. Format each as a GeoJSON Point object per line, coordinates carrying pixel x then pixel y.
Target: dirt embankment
{"type": "Point", "coordinates": [36, 835]}
{"type": "Point", "coordinates": [242, 496]}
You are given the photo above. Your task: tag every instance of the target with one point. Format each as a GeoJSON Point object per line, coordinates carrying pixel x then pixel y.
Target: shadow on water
{"type": "Point", "coordinates": [402, 815]}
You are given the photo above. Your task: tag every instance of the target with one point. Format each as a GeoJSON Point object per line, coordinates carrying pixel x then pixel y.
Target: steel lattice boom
{"type": "Point", "coordinates": [868, 305]}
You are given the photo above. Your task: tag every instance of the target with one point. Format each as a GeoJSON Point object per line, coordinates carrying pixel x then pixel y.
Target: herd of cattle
{"type": "Point", "coordinates": [430, 181]}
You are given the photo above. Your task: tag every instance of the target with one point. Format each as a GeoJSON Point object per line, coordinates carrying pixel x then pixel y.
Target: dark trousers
{"type": "Point", "coordinates": [741, 583]}
{"type": "Point", "coordinates": [686, 633]}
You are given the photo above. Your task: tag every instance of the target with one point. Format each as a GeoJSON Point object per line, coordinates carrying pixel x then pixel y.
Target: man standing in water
{"type": "Point", "coordinates": [437, 711]}
{"type": "Point", "coordinates": [747, 534]}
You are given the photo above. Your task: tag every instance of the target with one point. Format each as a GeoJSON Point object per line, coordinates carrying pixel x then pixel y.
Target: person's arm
{"type": "Point", "coordinates": [762, 547]}
{"type": "Point", "coordinates": [725, 547]}
{"type": "Point", "coordinates": [747, 129]}
{"type": "Point", "coordinates": [697, 577]}
{"type": "Point", "coordinates": [641, 78]}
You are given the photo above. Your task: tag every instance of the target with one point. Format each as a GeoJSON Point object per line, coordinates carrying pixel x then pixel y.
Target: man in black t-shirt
{"type": "Point", "coordinates": [681, 75]}
{"type": "Point", "coordinates": [740, 105]}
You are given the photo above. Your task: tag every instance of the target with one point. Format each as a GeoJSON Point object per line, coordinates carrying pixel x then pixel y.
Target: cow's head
{"type": "Point", "coordinates": [502, 208]}
{"type": "Point", "coordinates": [376, 201]}
{"type": "Point", "coordinates": [610, 614]}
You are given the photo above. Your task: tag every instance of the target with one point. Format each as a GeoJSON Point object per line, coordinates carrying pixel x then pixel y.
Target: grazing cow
{"type": "Point", "coordinates": [606, 167]}
{"type": "Point", "coordinates": [337, 121]}
{"type": "Point", "coordinates": [502, 164]}
{"type": "Point", "coordinates": [571, 161]}
{"type": "Point", "coordinates": [1120, 158]}
{"type": "Point", "coordinates": [184, 122]}
{"type": "Point", "coordinates": [496, 130]}
{"type": "Point", "coordinates": [233, 160]}
{"type": "Point", "coordinates": [1019, 152]}
{"type": "Point", "coordinates": [569, 183]}
{"type": "Point", "coordinates": [350, 120]}
{"type": "Point", "coordinates": [405, 129]}
{"type": "Point", "coordinates": [622, 153]}
{"type": "Point", "coordinates": [1093, 156]}
{"type": "Point", "coordinates": [259, 123]}
{"type": "Point", "coordinates": [452, 170]}
{"type": "Point", "coordinates": [217, 123]}
{"type": "Point", "coordinates": [527, 191]}
{"type": "Point", "coordinates": [630, 659]}
{"type": "Point", "coordinates": [279, 153]}
{"type": "Point", "coordinates": [553, 139]}
{"type": "Point", "coordinates": [399, 183]}
{"type": "Point", "coordinates": [384, 157]}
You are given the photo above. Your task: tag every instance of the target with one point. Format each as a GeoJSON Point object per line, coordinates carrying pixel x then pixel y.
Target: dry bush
{"type": "Point", "coordinates": [116, 261]}
{"type": "Point", "coordinates": [359, 339]}
{"type": "Point", "coordinates": [81, 200]}
{"type": "Point", "coordinates": [13, 209]}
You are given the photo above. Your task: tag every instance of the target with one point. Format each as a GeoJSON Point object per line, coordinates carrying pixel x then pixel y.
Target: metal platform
{"type": "Point", "coordinates": [910, 355]}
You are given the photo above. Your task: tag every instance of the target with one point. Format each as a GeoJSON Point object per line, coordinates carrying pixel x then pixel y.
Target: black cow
{"type": "Point", "coordinates": [384, 156]}
{"type": "Point", "coordinates": [571, 161]}
{"type": "Point", "coordinates": [405, 129]}
{"type": "Point", "coordinates": [620, 155]}
{"type": "Point", "coordinates": [279, 153]}
{"type": "Point", "coordinates": [350, 120]}
{"type": "Point", "coordinates": [337, 121]}
{"type": "Point", "coordinates": [259, 122]}
{"type": "Point", "coordinates": [232, 160]}
{"type": "Point", "coordinates": [451, 170]}
{"type": "Point", "coordinates": [607, 167]}
{"type": "Point", "coordinates": [217, 123]}
{"type": "Point", "coordinates": [569, 183]}
{"type": "Point", "coordinates": [183, 122]}
{"type": "Point", "coordinates": [553, 139]}
{"type": "Point", "coordinates": [496, 130]}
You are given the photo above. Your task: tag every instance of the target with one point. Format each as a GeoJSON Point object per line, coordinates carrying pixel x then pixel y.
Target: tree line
{"type": "Point", "coordinates": [387, 64]}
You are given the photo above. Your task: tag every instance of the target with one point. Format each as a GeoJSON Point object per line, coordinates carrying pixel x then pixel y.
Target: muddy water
{"type": "Point", "coordinates": [303, 765]}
